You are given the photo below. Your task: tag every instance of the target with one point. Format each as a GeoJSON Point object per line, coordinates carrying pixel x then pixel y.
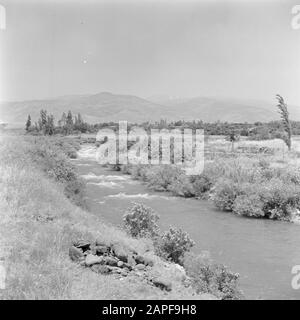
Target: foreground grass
{"type": "Point", "coordinates": [39, 221]}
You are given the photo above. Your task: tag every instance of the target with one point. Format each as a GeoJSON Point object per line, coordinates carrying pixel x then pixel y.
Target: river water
{"type": "Point", "coordinates": [263, 252]}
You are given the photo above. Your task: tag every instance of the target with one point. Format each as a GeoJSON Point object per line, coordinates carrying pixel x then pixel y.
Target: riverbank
{"type": "Point", "coordinates": [262, 251]}
{"type": "Point", "coordinates": [256, 182]}
{"type": "Point", "coordinates": [41, 220]}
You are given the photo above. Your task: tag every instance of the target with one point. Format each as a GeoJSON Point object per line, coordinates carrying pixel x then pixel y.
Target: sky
{"type": "Point", "coordinates": [240, 49]}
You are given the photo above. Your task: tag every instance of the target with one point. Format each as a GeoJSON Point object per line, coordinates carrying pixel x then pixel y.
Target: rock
{"type": "Point", "coordinates": [120, 252]}
{"type": "Point", "coordinates": [120, 264]}
{"type": "Point", "coordinates": [131, 261]}
{"type": "Point", "coordinates": [101, 249]}
{"type": "Point", "coordinates": [140, 266]}
{"type": "Point", "coordinates": [100, 242]}
{"type": "Point", "coordinates": [91, 259]}
{"type": "Point", "coordinates": [162, 284]}
{"type": "Point", "coordinates": [176, 272]}
{"type": "Point", "coordinates": [82, 244]}
{"type": "Point", "coordinates": [75, 254]}
{"type": "Point", "coordinates": [139, 259]}
{"type": "Point", "coordinates": [127, 266]}
{"type": "Point", "coordinates": [144, 260]}
{"type": "Point", "coordinates": [110, 261]}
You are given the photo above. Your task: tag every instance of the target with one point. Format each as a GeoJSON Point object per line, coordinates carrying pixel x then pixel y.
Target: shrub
{"type": "Point", "coordinates": [201, 184]}
{"type": "Point", "coordinates": [249, 205]}
{"type": "Point", "coordinates": [68, 147]}
{"type": "Point", "coordinates": [173, 244]}
{"type": "Point", "coordinates": [141, 221]}
{"type": "Point", "coordinates": [48, 155]}
{"type": "Point", "coordinates": [208, 277]}
{"type": "Point", "coordinates": [161, 177]}
{"type": "Point", "coordinates": [225, 193]}
{"type": "Point", "coordinates": [181, 186]}
{"type": "Point", "coordinates": [280, 199]}
{"type": "Point", "coordinates": [137, 171]}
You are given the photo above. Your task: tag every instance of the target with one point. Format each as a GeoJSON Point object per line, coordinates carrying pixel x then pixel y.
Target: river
{"type": "Point", "coordinates": [263, 252]}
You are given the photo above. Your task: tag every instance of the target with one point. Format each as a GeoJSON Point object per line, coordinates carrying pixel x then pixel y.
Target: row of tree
{"type": "Point", "coordinates": [66, 125]}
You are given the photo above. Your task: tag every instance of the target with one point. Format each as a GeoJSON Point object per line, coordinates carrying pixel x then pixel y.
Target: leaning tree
{"type": "Point", "coordinates": [284, 114]}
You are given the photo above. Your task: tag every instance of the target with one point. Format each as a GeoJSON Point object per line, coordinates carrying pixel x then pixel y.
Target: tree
{"type": "Point", "coordinates": [50, 125]}
{"type": "Point", "coordinates": [42, 120]}
{"type": "Point", "coordinates": [69, 122]}
{"type": "Point", "coordinates": [63, 120]}
{"type": "Point", "coordinates": [232, 137]}
{"type": "Point", "coordinates": [284, 114]}
{"type": "Point", "coordinates": [28, 123]}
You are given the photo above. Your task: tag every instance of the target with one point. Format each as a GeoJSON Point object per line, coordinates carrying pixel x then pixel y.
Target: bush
{"type": "Point", "coordinates": [181, 186]}
{"type": "Point", "coordinates": [280, 199]}
{"type": "Point", "coordinates": [173, 244]}
{"type": "Point", "coordinates": [249, 205]}
{"type": "Point", "coordinates": [48, 154]}
{"type": "Point", "coordinates": [68, 147]}
{"type": "Point", "coordinates": [225, 193]}
{"type": "Point", "coordinates": [161, 177]}
{"type": "Point", "coordinates": [201, 184]}
{"type": "Point", "coordinates": [141, 221]}
{"type": "Point", "coordinates": [208, 277]}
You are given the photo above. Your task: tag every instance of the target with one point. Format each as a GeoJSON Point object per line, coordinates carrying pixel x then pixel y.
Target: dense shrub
{"type": "Point", "coordinates": [181, 186]}
{"type": "Point", "coordinates": [225, 193]}
{"type": "Point", "coordinates": [173, 244]}
{"type": "Point", "coordinates": [141, 221]}
{"type": "Point", "coordinates": [68, 146]}
{"type": "Point", "coordinates": [161, 177]}
{"type": "Point", "coordinates": [249, 205]}
{"type": "Point", "coordinates": [201, 184]}
{"type": "Point", "coordinates": [280, 199]}
{"type": "Point", "coordinates": [212, 278]}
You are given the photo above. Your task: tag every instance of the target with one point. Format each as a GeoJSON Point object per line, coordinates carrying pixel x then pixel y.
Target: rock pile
{"type": "Point", "coordinates": [114, 259]}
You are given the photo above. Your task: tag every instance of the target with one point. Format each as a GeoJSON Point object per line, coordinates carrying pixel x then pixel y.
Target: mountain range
{"type": "Point", "coordinates": [105, 107]}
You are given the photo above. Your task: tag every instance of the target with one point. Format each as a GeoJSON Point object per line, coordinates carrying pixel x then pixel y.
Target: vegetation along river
{"type": "Point", "coordinates": [263, 252]}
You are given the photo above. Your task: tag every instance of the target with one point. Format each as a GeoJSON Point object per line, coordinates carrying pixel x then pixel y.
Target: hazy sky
{"type": "Point", "coordinates": [243, 49]}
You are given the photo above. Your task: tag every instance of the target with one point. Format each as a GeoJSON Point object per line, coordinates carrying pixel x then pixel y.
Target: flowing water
{"type": "Point", "coordinates": [263, 252]}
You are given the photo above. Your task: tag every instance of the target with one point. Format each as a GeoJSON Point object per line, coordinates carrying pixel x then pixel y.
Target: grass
{"type": "Point", "coordinates": [39, 221]}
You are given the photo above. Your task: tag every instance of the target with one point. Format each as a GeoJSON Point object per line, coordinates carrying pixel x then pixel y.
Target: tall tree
{"type": "Point", "coordinates": [28, 123]}
{"type": "Point", "coordinates": [63, 120]}
{"type": "Point", "coordinates": [42, 120]}
{"type": "Point", "coordinates": [69, 122]}
{"type": "Point", "coordinates": [50, 125]}
{"type": "Point", "coordinates": [284, 114]}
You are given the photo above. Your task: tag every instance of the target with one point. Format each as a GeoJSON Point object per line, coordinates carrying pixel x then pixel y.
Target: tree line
{"type": "Point", "coordinates": [67, 124]}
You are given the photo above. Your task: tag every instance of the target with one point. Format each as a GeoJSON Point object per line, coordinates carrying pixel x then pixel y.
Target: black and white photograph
{"type": "Point", "coordinates": [150, 150]}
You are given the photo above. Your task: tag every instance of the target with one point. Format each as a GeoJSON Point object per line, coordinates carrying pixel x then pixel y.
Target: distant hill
{"type": "Point", "coordinates": [225, 109]}
{"type": "Point", "coordinates": [105, 106]}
